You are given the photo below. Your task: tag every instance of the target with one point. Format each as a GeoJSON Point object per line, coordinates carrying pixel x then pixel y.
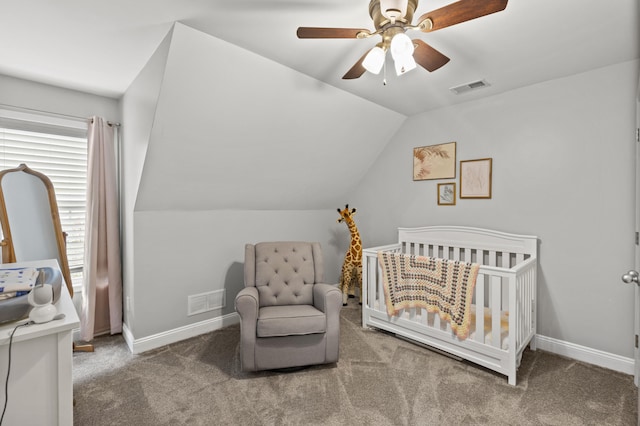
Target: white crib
{"type": "Point", "coordinates": [504, 303]}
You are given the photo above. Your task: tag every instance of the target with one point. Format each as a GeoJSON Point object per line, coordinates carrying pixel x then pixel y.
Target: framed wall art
{"type": "Point", "coordinates": [434, 162]}
{"type": "Point", "coordinates": [447, 194]}
{"type": "Point", "coordinates": [475, 178]}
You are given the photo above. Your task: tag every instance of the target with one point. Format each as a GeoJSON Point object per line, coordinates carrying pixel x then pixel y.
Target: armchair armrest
{"type": "Point", "coordinates": [247, 306]}
{"type": "Point", "coordinates": [327, 298]}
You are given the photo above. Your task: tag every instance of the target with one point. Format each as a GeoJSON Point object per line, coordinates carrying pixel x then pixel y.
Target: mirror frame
{"type": "Point", "coordinates": [8, 251]}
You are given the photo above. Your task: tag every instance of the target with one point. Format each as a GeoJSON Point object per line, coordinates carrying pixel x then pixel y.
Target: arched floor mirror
{"type": "Point", "coordinates": [30, 222]}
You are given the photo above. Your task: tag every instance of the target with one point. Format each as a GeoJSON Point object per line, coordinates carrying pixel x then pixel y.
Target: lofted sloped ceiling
{"type": "Point", "coordinates": [100, 46]}
{"type": "Point", "coordinates": [234, 130]}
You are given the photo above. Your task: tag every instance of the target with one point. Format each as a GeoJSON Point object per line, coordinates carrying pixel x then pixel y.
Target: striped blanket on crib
{"type": "Point", "coordinates": [437, 285]}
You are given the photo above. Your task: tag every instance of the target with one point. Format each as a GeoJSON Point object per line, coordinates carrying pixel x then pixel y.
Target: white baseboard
{"type": "Point", "coordinates": [570, 350]}
{"type": "Point", "coordinates": [148, 343]}
{"type": "Point", "coordinates": [585, 354]}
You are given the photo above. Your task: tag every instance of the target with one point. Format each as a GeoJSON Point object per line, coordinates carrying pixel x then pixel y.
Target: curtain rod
{"type": "Point", "coordinates": [109, 123]}
{"type": "Point", "coordinates": [55, 114]}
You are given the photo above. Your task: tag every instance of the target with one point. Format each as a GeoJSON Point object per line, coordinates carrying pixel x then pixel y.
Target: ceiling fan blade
{"type": "Point", "coordinates": [356, 70]}
{"type": "Point", "coordinates": [316, 32]}
{"type": "Point", "coordinates": [428, 57]}
{"type": "Point", "coordinates": [461, 11]}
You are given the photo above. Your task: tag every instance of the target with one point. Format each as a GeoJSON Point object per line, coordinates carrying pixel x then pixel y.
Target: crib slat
{"type": "Point", "coordinates": [372, 280]}
{"type": "Point", "coordinates": [505, 289]}
{"type": "Point", "coordinates": [526, 297]}
{"type": "Point", "coordinates": [491, 261]}
{"type": "Point", "coordinates": [492, 258]}
{"type": "Point", "coordinates": [456, 253]}
{"type": "Point", "coordinates": [495, 311]}
{"type": "Point", "coordinates": [366, 278]}
{"type": "Point", "coordinates": [379, 294]}
{"type": "Point", "coordinates": [480, 309]}
{"type": "Point", "coordinates": [522, 314]}
{"type": "Point", "coordinates": [528, 305]}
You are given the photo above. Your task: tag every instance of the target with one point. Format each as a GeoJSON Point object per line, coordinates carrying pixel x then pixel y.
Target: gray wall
{"type": "Point", "coordinates": [41, 97]}
{"type": "Point", "coordinates": [563, 169]}
{"type": "Point", "coordinates": [235, 130]}
{"type": "Point", "coordinates": [182, 253]}
{"type": "Point", "coordinates": [223, 147]}
{"type": "Point", "coordinates": [138, 106]}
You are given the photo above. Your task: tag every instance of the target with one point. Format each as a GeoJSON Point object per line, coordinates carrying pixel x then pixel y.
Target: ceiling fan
{"type": "Point", "coordinates": [392, 19]}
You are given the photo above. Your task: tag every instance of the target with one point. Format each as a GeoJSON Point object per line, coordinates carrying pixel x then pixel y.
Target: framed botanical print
{"type": "Point", "coordinates": [475, 178]}
{"type": "Point", "coordinates": [447, 194]}
{"type": "Point", "coordinates": [434, 162]}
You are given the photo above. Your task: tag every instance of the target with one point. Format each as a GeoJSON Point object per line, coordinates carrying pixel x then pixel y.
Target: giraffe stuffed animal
{"type": "Point", "coordinates": [352, 265]}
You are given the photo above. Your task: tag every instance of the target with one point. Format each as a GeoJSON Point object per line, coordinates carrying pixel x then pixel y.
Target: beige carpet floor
{"type": "Point", "coordinates": [379, 380]}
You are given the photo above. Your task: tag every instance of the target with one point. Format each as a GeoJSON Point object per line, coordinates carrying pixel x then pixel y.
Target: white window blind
{"type": "Point", "coordinates": [57, 148]}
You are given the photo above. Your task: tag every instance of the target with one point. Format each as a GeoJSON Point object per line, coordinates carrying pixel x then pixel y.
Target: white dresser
{"type": "Point", "coordinates": [40, 381]}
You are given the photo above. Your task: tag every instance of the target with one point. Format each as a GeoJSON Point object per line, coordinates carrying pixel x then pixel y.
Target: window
{"type": "Point", "coordinates": [58, 148]}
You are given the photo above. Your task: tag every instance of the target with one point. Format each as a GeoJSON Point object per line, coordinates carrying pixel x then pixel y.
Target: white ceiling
{"type": "Point", "coordinates": [101, 46]}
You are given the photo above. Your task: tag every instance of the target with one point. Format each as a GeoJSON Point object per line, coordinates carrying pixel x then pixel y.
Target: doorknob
{"type": "Point", "coordinates": [631, 277]}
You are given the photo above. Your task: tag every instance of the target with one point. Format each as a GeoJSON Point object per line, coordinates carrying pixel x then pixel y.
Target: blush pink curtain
{"type": "Point", "coordinates": [102, 287]}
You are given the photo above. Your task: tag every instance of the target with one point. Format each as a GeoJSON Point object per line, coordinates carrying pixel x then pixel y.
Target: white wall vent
{"type": "Point", "coordinates": [469, 86]}
{"type": "Point", "coordinates": [204, 302]}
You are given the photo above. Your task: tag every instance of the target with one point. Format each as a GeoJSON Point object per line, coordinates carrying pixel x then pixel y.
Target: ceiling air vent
{"type": "Point", "coordinates": [469, 87]}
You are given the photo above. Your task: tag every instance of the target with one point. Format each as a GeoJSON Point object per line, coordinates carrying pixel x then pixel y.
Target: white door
{"type": "Point", "coordinates": [633, 277]}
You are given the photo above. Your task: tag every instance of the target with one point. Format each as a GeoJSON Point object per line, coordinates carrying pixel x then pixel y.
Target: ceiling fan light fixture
{"type": "Point", "coordinates": [401, 46]}
{"type": "Point", "coordinates": [393, 9]}
{"type": "Point", "coordinates": [374, 60]}
{"type": "Point", "coordinates": [402, 52]}
{"type": "Point", "coordinates": [404, 64]}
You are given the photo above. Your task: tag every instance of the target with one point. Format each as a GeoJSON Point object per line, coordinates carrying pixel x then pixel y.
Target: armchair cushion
{"type": "Point", "coordinates": [290, 320]}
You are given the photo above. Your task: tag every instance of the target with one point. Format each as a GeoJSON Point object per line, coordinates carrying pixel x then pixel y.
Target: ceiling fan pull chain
{"type": "Point", "coordinates": [384, 71]}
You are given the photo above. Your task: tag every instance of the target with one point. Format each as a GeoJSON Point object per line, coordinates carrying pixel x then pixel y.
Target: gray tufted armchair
{"type": "Point", "coordinates": [288, 316]}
